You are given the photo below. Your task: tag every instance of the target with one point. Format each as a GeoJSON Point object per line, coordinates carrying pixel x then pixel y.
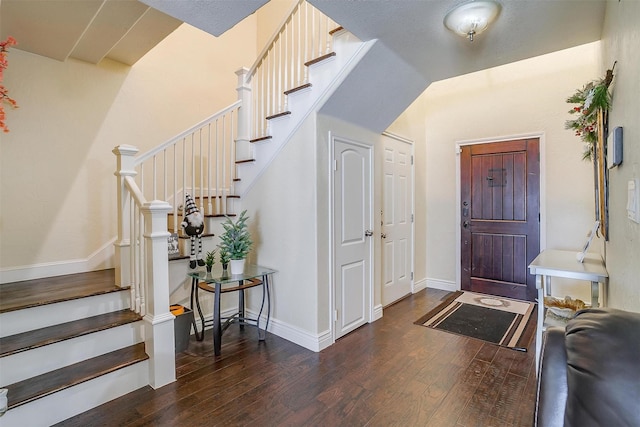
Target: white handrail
{"type": "Point", "coordinates": [134, 191]}
{"type": "Point", "coordinates": [273, 38]}
{"type": "Point", "coordinates": [171, 141]}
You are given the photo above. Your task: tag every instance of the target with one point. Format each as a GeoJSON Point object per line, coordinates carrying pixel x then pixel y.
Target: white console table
{"type": "Point", "coordinates": [556, 263]}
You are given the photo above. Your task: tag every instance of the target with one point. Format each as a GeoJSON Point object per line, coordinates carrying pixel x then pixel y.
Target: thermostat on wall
{"type": "Point", "coordinates": [614, 148]}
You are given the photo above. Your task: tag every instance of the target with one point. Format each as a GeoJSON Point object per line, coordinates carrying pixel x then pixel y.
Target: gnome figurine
{"type": "Point", "coordinates": [193, 225]}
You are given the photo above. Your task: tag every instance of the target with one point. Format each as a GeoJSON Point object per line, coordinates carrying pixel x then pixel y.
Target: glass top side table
{"type": "Point", "coordinates": [218, 282]}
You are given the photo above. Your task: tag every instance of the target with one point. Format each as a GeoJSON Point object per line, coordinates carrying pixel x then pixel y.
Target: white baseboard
{"type": "Point", "coordinates": [377, 313]}
{"type": "Point", "coordinates": [101, 259]}
{"type": "Point", "coordinates": [445, 285]}
{"type": "Point", "coordinates": [313, 342]}
{"type": "Point", "coordinates": [419, 285]}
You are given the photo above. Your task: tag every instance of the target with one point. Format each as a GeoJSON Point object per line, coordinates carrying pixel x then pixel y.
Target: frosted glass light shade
{"type": "Point", "coordinates": [470, 19]}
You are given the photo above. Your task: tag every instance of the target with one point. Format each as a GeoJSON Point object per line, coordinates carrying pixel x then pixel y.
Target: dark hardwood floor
{"type": "Point", "coordinates": [388, 373]}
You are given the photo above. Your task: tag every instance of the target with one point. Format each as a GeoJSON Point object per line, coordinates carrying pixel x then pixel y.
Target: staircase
{"type": "Point", "coordinates": [66, 345]}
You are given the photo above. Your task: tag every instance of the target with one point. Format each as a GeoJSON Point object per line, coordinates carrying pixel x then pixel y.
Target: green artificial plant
{"type": "Point", "coordinates": [236, 240]}
{"type": "Point", "coordinates": [210, 258]}
{"type": "Point", "coordinates": [593, 98]}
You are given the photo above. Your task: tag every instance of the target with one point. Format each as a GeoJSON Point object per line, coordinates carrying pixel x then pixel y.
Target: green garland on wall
{"type": "Point", "coordinates": [593, 97]}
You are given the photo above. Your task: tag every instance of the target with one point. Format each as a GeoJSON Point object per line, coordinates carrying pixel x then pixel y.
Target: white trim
{"type": "Point", "coordinates": [445, 285]}
{"type": "Point", "coordinates": [413, 207]}
{"type": "Point", "coordinates": [398, 137]}
{"type": "Point", "coordinates": [419, 285]}
{"type": "Point", "coordinates": [377, 313]}
{"type": "Point", "coordinates": [370, 315]}
{"type": "Point", "coordinates": [332, 266]}
{"type": "Point", "coordinates": [101, 259]}
{"type": "Point", "coordinates": [543, 189]}
{"type": "Point", "coordinates": [313, 342]}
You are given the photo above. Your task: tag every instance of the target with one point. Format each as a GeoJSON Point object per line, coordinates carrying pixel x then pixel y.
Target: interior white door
{"type": "Point", "coordinates": [397, 221]}
{"type": "Point", "coordinates": [352, 225]}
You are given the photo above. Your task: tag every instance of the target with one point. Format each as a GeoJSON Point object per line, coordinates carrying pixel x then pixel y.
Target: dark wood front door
{"type": "Point", "coordinates": [500, 216]}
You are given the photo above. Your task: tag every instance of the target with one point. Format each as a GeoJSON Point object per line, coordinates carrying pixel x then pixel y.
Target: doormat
{"type": "Point", "coordinates": [502, 321]}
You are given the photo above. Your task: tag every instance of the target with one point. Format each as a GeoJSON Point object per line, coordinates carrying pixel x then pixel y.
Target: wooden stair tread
{"type": "Point", "coordinates": [275, 116]}
{"type": "Point", "coordinates": [297, 88]}
{"type": "Point", "coordinates": [262, 138]}
{"type": "Point", "coordinates": [48, 383]}
{"type": "Point", "coordinates": [319, 59]}
{"type": "Point", "coordinates": [40, 337]}
{"type": "Point", "coordinates": [49, 290]}
{"type": "Point", "coordinates": [335, 30]}
{"type": "Point", "coordinates": [245, 161]}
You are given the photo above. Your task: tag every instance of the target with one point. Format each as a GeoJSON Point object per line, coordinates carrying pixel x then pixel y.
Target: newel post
{"type": "Point", "coordinates": [243, 147]}
{"type": "Point", "coordinates": [158, 320]}
{"type": "Point", "coordinates": [125, 166]}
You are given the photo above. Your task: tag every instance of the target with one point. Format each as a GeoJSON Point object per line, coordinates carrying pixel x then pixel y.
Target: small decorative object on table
{"type": "Point", "coordinates": [193, 225]}
{"type": "Point", "coordinates": [236, 241]}
{"type": "Point", "coordinates": [224, 258]}
{"type": "Point", "coordinates": [209, 260]}
{"type": "Point", "coordinates": [564, 308]}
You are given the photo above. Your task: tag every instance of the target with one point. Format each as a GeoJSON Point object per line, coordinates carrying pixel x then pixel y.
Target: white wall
{"type": "Point", "coordinates": [621, 43]}
{"type": "Point", "coordinates": [282, 207]}
{"type": "Point", "coordinates": [520, 98]}
{"type": "Point", "coordinates": [57, 198]}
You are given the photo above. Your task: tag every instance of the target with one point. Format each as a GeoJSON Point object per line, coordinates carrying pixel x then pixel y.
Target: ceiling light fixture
{"type": "Point", "coordinates": [472, 18]}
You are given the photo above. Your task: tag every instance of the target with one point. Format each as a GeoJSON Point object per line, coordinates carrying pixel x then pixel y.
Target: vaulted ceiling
{"type": "Point", "coordinates": [124, 30]}
{"type": "Point", "coordinates": [413, 47]}
{"type": "Point", "coordinates": [121, 30]}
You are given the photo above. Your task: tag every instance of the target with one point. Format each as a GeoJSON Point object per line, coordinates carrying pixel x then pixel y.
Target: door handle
{"type": "Point", "coordinates": [465, 224]}
{"type": "Point", "coordinates": [368, 233]}
{"type": "Point", "coordinates": [383, 236]}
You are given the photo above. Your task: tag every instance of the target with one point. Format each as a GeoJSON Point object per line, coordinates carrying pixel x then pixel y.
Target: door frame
{"type": "Point", "coordinates": [370, 301]}
{"type": "Point", "coordinates": [543, 190]}
{"type": "Point", "coordinates": [411, 143]}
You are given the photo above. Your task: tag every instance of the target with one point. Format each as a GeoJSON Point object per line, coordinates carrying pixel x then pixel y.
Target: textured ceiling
{"type": "Point", "coordinates": [213, 16]}
{"type": "Point", "coordinates": [414, 31]}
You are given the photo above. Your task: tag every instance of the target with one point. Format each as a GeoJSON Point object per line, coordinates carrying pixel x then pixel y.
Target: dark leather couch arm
{"type": "Point", "coordinates": [552, 381]}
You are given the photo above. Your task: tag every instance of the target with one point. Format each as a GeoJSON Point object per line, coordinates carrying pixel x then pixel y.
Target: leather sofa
{"type": "Point", "coordinates": [590, 371]}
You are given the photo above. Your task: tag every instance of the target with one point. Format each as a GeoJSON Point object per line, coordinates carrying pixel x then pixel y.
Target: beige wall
{"type": "Point", "coordinates": [282, 206]}
{"type": "Point", "coordinates": [270, 16]}
{"type": "Point", "coordinates": [621, 43]}
{"type": "Point", "coordinates": [56, 175]}
{"type": "Point", "coordinates": [526, 97]}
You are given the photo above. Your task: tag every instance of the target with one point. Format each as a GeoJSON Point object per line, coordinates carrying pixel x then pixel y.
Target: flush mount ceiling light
{"type": "Point", "coordinates": [471, 18]}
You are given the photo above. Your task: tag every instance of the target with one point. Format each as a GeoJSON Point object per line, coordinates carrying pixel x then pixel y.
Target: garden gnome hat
{"type": "Point", "coordinates": [190, 205]}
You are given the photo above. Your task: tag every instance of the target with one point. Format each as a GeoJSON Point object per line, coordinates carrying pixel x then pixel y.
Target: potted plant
{"type": "Point", "coordinates": [209, 260]}
{"type": "Point", "coordinates": [236, 241]}
{"type": "Point", "coordinates": [224, 258]}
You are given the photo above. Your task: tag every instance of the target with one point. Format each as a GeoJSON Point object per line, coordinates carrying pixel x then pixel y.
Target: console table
{"type": "Point", "coordinates": [219, 282]}
{"type": "Point", "coordinates": [557, 263]}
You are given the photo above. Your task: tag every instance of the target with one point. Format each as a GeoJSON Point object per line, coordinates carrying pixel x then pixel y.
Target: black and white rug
{"type": "Point", "coordinates": [497, 320]}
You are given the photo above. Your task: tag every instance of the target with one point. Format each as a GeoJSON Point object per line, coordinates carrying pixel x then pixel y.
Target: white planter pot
{"type": "Point", "coordinates": [237, 266]}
